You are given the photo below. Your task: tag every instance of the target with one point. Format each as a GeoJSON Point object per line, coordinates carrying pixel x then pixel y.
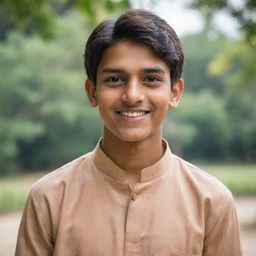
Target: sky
{"type": "Point", "coordinates": [187, 21]}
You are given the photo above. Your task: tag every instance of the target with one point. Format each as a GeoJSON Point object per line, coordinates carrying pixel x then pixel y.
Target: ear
{"type": "Point", "coordinates": [176, 92]}
{"type": "Point", "coordinates": [90, 89]}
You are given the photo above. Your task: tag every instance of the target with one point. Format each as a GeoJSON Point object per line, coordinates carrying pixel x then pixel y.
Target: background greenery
{"type": "Point", "coordinates": [45, 120]}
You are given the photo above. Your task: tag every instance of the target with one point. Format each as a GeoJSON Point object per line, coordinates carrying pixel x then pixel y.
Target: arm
{"type": "Point", "coordinates": [34, 237]}
{"type": "Point", "coordinates": [222, 233]}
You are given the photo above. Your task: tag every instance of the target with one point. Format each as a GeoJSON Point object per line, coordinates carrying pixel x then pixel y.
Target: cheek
{"type": "Point", "coordinates": [107, 97]}
{"type": "Point", "coordinates": [161, 108]}
{"type": "Point", "coordinates": [161, 101]}
{"type": "Point", "coordinates": [105, 102]}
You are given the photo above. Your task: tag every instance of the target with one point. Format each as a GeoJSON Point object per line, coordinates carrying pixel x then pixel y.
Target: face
{"type": "Point", "coordinates": [133, 92]}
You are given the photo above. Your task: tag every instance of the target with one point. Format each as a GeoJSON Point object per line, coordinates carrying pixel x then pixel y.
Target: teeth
{"type": "Point", "coordinates": [133, 114]}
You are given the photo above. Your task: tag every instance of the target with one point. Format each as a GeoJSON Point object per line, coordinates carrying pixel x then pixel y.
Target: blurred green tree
{"type": "Point", "coordinates": [42, 110]}
{"type": "Point", "coordinates": [198, 128]}
{"type": "Point", "coordinates": [235, 62]}
{"type": "Point", "coordinates": [242, 11]}
{"type": "Point", "coordinates": [45, 121]}
{"type": "Point", "coordinates": [235, 65]}
{"type": "Point", "coordinates": [199, 51]}
{"type": "Point", "coordinates": [40, 16]}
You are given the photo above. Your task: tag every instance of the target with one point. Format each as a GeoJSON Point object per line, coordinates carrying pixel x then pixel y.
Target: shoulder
{"type": "Point", "coordinates": [57, 181]}
{"type": "Point", "coordinates": [59, 191]}
{"type": "Point", "coordinates": [205, 193]}
{"type": "Point", "coordinates": [202, 184]}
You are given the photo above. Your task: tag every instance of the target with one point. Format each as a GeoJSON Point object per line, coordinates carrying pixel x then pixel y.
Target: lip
{"type": "Point", "coordinates": [134, 118]}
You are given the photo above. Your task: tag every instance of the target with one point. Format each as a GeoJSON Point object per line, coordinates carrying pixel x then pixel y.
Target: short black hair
{"type": "Point", "coordinates": [140, 26]}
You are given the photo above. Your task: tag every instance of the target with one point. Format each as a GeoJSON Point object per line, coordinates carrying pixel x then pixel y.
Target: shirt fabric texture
{"type": "Point", "coordinates": [88, 208]}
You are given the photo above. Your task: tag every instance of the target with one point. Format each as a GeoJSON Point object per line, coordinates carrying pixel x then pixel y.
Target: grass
{"type": "Point", "coordinates": [240, 179]}
{"type": "Point", "coordinates": [14, 190]}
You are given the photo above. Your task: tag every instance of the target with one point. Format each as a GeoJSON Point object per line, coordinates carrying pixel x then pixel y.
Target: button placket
{"type": "Point", "coordinates": [133, 226]}
{"type": "Point", "coordinates": [133, 196]}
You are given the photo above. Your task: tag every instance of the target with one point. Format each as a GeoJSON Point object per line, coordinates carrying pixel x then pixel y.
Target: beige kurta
{"type": "Point", "coordinates": [87, 208]}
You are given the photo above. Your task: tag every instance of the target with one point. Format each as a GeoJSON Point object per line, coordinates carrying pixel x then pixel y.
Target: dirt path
{"type": "Point", "coordinates": [246, 210]}
{"type": "Point", "coordinates": [8, 233]}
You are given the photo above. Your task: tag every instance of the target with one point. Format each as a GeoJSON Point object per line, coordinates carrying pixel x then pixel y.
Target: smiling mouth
{"type": "Point", "coordinates": [132, 114]}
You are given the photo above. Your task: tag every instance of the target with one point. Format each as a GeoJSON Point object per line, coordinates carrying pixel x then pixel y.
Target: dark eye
{"type": "Point", "coordinates": [151, 79]}
{"type": "Point", "coordinates": [114, 79]}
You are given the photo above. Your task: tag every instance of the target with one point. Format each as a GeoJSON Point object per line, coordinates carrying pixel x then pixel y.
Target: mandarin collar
{"type": "Point", "coordinates": [108, 167]}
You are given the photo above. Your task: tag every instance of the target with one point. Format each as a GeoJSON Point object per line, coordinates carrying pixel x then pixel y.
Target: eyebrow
{"type": "Point", "coordinates": [112, 70]}
{"type": "Point", "coordinates": [153, 70]}
{"type": "Point", "coordinates": [145, 70]}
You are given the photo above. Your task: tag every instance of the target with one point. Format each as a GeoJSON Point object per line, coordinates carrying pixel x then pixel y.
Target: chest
{"type": "Point", "coordinates": [149, 220]}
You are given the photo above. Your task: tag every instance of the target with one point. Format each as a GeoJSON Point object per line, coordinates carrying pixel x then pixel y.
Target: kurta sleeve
{"type": "Point", "coordinates": [34, 236]}
{"type": "Point", "coordinates": [222, 233]}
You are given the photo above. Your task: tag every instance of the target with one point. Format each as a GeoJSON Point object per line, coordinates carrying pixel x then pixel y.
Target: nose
{"type": "Point", "coordinates": [133, 93]}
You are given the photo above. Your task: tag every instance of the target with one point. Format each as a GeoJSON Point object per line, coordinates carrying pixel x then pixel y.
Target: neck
{"type": "Point", "coordinates": [132, 156]}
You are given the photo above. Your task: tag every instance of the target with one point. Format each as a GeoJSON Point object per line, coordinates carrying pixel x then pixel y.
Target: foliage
{"type": "Point", "coordinates": [235, 65]}
{"type": "Point", "coordinates": [41, 101]}
{"type": "Point", "coordinates": [14, 190]}
{"type": "Point", "coordinates": [242, 111]}
{"type": "Point", "coordinates": [199, 51]}
{"type": "Point", "coordinates": [235, 61]}
{"type": "Point", "coordinates": [225, 68]}
{"type": "Point", "coordinates": [199, 129]}
{"type": "Point", "coordinates": [45, 120]}
{"type": "Point", "coordinates": [27, 15]}
{"type": "Point", "coordinates": [243, 13]}
{"type": "Point", "coordinates": [99, 10]}
{"type": "Point", "coordinates": [202, 127]}
{"type": "Point", "coordinates": [40, 16]}
{"type": "Point", "coordinates": [240, 179]}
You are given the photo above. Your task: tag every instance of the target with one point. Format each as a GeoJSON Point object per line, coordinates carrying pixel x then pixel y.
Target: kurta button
{"type": "Point", "coordinates": [134, 197]}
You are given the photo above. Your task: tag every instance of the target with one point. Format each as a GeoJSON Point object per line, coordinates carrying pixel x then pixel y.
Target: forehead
{"type": "Point", "coordinates": [130, 55]}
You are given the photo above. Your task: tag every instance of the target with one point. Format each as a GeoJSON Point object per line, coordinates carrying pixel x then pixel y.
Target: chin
{"type": "Point", "coordinates": [134, 137]}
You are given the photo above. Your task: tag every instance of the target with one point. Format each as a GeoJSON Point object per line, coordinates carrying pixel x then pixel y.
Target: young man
{"type": "Point", "coordinates": [131, 195]}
